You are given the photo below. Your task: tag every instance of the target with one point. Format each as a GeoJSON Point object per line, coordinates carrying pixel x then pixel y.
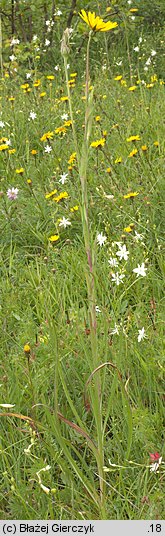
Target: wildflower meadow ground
{"type": "Point", "coordinates": [82, 275]}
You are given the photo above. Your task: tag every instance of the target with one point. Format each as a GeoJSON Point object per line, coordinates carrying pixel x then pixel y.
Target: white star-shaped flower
{"type": "Point", "coordinates": [101, 239]}
{"type": "Point", "coordinates": [48, 149]}
{"type": "Point", "coordinates": [117, 278]}
{"type": "Point", "coordinates": [140, 270]}
{"type": "Point", "coordinates": [12, 57]}
{"type": "Point", "coordinates": [123, 253]}
{"type": "Point", "coordinates": [64, 222]}
{"type": "Point", "coordinates": [141, 335]}
{"type": "Point", "coordinates": [32, 116]}
{"type": "Point", "coordinates": [63, 178]}
{"type": "Point", "coordinates": [113, 261]}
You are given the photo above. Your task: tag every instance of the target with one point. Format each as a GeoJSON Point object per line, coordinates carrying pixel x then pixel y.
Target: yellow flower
{"type": "Point", "coordinates": [73, 209]}
{"type": "Point", "coordinates": [73, 75]}
{"type": "Point", "coordinates": [11, 99]}
{"type": "Point", "coordinates": [154, 78]}
{"type": "Point", "coordinates": [118, 160]}
{"type": "Point", "coordinates": [119, 77]}
{"type": "Point", "coordinates": [27, 349]}
{"type": "Point", "coordinates": [68, 123]}
{"type": "Point", "coordinates": [4, 147]}
{"type": "Point", "coordinates": [149, 86]}
{"type": "Point", "coordinates": [133, 10]}
{"type": "Point", "coordinates": [60, 130]}
{"type": "Point", "coordinates": [34, 152]}
{"type": "Point", "coordinates": [29, 182]}
{"type": "Point", "coordinates": [62, 195]}
{"type": "Point", "coordinates": [47, 136]}
{"type": "Point", "coordinates": [144, 148]}
{"type": "Point", "coordinates": [108, 170]}
{"type": "Point", "coordinates": [131, 194]}
{"type": "Point", "coordinates": [54, 238]}
{"type": "Point", "coordinates": [123, 83]}
{"type": "Point", "coordinates": [20, 171]}
{"type": "Point", "coordinates": [97, 118]}
{"type": "Point", "coordinates": [98, 143]}
{"type": "Point", "coordinates": [133, 153]}
{"type": "Point", "coordinates": [24, 86]}
{"type": "Point", "coordinates": [132, 88]}
{"type": "Point", "coordinates": [37, 83]}
{"type": "Point", "coordinates": [134, 138]}
{"type": "Point", "coordinates": [129, 228]}
{"type": "Point", "coordinates": [12, 151]}
{"type": "Point", "coordinates": [42, 94]}
{"type": "Point", "coordinates": [72, 158]}
{"type": "Point", "coordinates": [63, 99]}
{"type": "Point", "coordinates": [50, 77]}
{"type": "Point", "coordinates": [47, 196]}
{"type": "Point", "coordinates": [156, 143]}
{"type": "Point", "coordinates": [96, 23]}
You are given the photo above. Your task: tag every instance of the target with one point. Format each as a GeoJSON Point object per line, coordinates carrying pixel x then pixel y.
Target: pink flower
{"type": "Point", "coordinates": [154, 457]}
{"type": "Point", "coordinates": [12, 193]}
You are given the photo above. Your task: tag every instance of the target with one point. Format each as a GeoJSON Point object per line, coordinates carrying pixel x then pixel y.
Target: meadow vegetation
{"type": "Point", "coordinates": [82, 262]}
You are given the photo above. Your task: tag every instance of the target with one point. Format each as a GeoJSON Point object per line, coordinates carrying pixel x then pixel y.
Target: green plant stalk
{"type": "Point", "coordinates": [71, 111]}
{"type": "Point", "coordinates": [1, 59]}
{"type": "Point", "coordinates": [82, 167]}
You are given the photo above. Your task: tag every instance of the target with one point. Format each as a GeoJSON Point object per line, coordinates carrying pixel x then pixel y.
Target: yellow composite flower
{"type": "Point", "coordinates": [47, 136]}
{"type": "Point", "coordinates": [144, 148]}
{"type": "Point", "coordinates": [54, 238]}
{"type": "Point", "coordinates": [134, 138]}
{"type": "Point", "coordinates": [129, 228]}
{"type": "Point", "coordinates": [4, 147]}
{"type": "Point", "coordinates": [63, 99]}
{"type": "Point", "coordinates": [95, 22]}
{"type": "Point", "coordinates": [133, 153]}
{"type": "Point", "coordinates": [42, 94]}
{"type": "Point", "coordinates": [74, 209]}
{"type": "Point", "coordinates": [50, 77]}
{"type": "Point", "coordinates": [33, 152]}
{"type": "Point", "coordinates": [62, 195]}
{"type": "Point", "coordinates": [131, 194]}
{"type": "Point", "coordinates": [98, 143]}
{"type": "Point", "coordinates": [118, 160]}
{"type": "Point", "coordinates": [24, 86]}
{"type": "Point", "coordinates": [26, 349]}
{"type": "Point", "coordinates": [11, 151]}
{"type": "Point", "coordinates": [118, 77]}
{"type": "Point", "coordinates": [132, 88]}
{"type": "Point", "coordinates": [37, 83]}
{"type": "Point", "coordinates": [133, 10]}
{"type": "Point", "coordinates": [156, 143]}
{"type": "Point", "coordinates": [47, 196]}
{"type": "Point", "coordinates": [20, 171]}
{"type": "Point", "coordinates": [72, 158]}
{"type": "Point", "coordinates": [60, 130]}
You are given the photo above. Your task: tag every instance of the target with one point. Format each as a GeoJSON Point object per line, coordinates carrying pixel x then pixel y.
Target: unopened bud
{"type": "Point", "coordinates": [65, 48]}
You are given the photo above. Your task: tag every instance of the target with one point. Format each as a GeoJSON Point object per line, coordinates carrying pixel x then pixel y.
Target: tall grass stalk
{"type": "Point", "coordinates": [82, 159]}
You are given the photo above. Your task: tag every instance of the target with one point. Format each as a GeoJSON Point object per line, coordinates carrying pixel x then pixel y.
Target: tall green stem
{"type": "Point", "coordinates": [82, 159]}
